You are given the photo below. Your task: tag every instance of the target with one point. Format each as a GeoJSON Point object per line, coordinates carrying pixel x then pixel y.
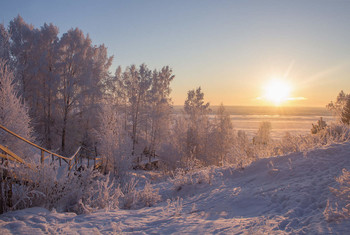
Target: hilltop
{"type": "Point", "coordinates": [279, 195]}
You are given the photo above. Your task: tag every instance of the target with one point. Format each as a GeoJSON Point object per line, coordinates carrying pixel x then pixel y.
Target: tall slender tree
{"type": "Point", "coordinates": [198, 124]}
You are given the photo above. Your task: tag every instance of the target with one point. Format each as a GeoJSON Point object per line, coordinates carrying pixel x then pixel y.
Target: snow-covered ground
{"type": "Point", "coordinates": [282, 195]}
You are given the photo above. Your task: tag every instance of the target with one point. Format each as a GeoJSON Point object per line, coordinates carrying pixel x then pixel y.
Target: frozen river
{"type": "Point", "coordinates": [296, 125]}
{"type": "Point", "coordinates": [295, 120]}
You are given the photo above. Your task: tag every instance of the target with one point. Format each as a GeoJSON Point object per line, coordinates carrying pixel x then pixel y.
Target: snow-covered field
{"type": "Point", "coordinates": [282, 195]}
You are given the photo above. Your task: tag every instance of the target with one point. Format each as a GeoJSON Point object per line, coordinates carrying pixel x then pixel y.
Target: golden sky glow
{"type": "Point", "coordinates": [229, 48]}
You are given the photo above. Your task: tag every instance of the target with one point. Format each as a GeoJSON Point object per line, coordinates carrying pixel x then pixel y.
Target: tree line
{"type": "Point", "coordinates": [72, 99]}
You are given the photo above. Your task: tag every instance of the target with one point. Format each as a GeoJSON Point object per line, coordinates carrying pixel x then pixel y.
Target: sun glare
{"type": "Point", "coordinates": [277, 91]}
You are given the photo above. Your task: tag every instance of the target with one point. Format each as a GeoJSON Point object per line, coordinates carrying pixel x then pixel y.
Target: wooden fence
{"type": "Point", "coordinates": [71, 161]}
{"type": "Point", "coordinates": [7, 178]}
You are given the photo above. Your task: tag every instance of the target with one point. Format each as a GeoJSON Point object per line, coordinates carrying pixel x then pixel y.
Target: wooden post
{"type": "Point", "coordinates": [9, 194]}
{"type": "Point", "coordinates": [76, 162]}
{"type": "Point", "coordinates": [2, 207]}
{"type": "Point", "coordinates": [2, 201]}
{"type": "Point", "coordinates": [59, 159]}
{"type": "Point", "coordinates": [52, 158]}
{"type": "Point", "coordinates": [88, 162]}
{"type": "Point", "coordinates": [95, 157]}
{"type": "Point", "coordinates": [42, 157]}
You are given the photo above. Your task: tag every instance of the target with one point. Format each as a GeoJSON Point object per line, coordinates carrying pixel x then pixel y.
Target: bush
{"type": "Point", "coordinates": [78, 191]}
{"type": "Point", "coordinates": [173, 207]}
{"type": "Point", "coordinates": [319, 126]}
{"type": "Point", "coordinates": [149, 196]}
{"type": "Point", "coordinates": [342, 203]}
{"type": "Point", "coordinates": [134, 199]}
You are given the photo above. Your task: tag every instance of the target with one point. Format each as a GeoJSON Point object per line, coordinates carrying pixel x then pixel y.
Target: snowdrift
{"type": "Point", "coordinates": [280, 195]}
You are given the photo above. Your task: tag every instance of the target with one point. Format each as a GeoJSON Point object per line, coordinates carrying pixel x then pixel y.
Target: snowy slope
{"type": "Point", "coordinates": [282, 195]}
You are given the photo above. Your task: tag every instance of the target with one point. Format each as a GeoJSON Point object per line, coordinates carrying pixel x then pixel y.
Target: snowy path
{"type": "Point", "coordinates": [274, 196]}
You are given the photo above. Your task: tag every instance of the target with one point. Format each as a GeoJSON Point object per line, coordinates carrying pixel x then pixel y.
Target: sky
{"type": "Point", "coordinates": [232, 49]}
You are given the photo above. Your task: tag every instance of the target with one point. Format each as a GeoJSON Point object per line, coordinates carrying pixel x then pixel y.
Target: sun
{"type": "Point", "coordinates": [277, 91]}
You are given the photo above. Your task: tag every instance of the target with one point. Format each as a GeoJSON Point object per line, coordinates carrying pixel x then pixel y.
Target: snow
{"type": "Point", "coordinates": [280, 195]}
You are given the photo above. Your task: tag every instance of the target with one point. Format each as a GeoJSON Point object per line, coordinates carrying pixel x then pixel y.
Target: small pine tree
{"type": "Point", "coordinates": [318, 127]}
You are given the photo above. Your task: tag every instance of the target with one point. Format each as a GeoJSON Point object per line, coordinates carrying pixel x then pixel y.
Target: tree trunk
{"type": "Point", "coordinates": [63, 139]}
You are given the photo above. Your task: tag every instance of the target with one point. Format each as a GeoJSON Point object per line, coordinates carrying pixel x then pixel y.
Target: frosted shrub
{"type": "Point", "coordinates": [173, 207]}
{"type": "Point", "coordinates": [205, 176]}
{"type": "Point", "coordinates": [330, 134]}
{"type": "Point", "coordinates": [77, 191]}
{"type": "Point", "coordinates": [105, 194]}
{"type": "Point", "coordinates": [29, 188]}
{"type": "Point", "coordinates": [242, 152]}
{"type": "Point", "coordinates": [336, 133]}
{"type": "Point", "coordinates": [180, 178]}
{"type": "Point", "coordinates": [288, 144]}
{"type": "Point", "coordinates": [318, 127]}
{"type": "Point", "coordinates": [149, 196]}
{"type": "Point", "coordinates": [84, 191]}
{"type": "Point", "coordinates": [192, 163]}
{"type": "Point", "coordinates": [342, 204]}
{"type": "Point", "coordinates": [130, 193]}
{"type": "Point", "coordinates": [134, 198]}
{"type": "Point", "coordinates": [22, 196]}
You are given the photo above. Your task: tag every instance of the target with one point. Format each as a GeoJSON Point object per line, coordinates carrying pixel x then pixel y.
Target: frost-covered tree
{"type": "Point", "coordinates": [263, 134]}
{"type": "Point", "coordinates": [43, 95]}
{"type": "Point", "coordinates": [4, 44]}
{"type": "Point", "coordinates": [13, 114]}
{"type": "Point", "coordinates": [136, 83]}
{"type": "Point", "coordinates": [221, 137]}
{"type": "Point", "coordinates": [345, 116]}
{"type": "Point", "coordinates": [144, 96]}
{"type": "Point", "coordinates": [34, 59]}
{"type": "Point", "coordinates": [159, 107]}
{"type": "Point", "coordinates": [81, 68]}
{"type": "Point", "coordinates": [196, 111]}
{"type": "Point", "coordinates": [73, 69]}
{"type": "Point", "coordinates": [93, 94]}
{"type": "Point", "coordinates": [341, 107]}
{"type": "Point", "coordinates": [23, 39]}
{"type": "Point", "coordinates": [114, 142]}
{"type": "Point", "coordinates": [61, 79]}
